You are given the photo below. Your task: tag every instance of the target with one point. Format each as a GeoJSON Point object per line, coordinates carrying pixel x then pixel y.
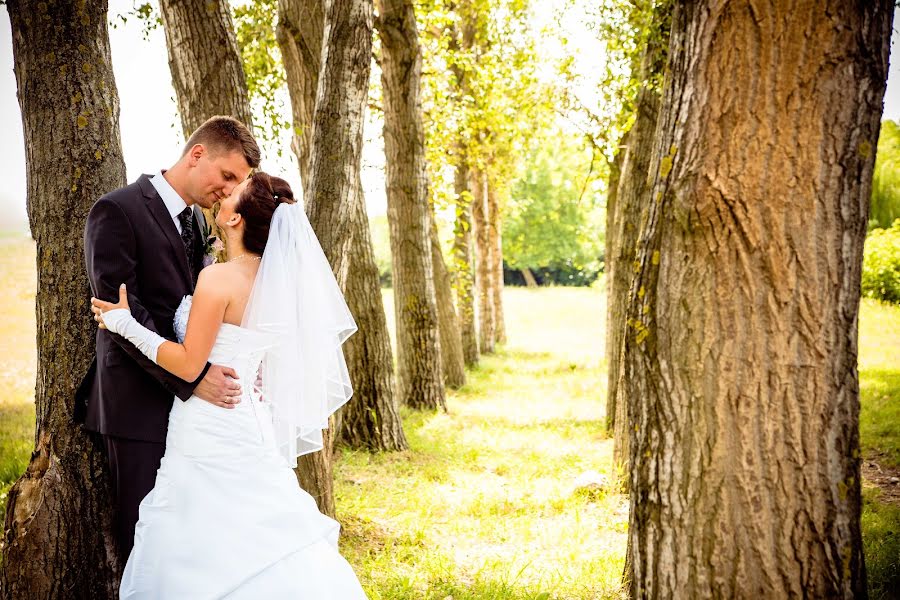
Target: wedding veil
{"type": "Point", "coordinates": [297, 304]}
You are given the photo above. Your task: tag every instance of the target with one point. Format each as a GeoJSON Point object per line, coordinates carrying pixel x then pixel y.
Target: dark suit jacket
{"type": "Point", "coordinates": [131, 238]}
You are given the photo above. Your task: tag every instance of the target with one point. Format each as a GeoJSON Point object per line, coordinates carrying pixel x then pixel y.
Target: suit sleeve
{"type": "Point", "coordinates": [111, 258]}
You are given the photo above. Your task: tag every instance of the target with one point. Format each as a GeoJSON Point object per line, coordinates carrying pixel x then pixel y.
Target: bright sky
{"type": "Point", "coordinates": [151, 131]}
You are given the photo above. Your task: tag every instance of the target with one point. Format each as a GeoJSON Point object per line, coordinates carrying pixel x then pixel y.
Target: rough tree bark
{"type": "Point", "coordinates": [341, 94]}
{"type": "Point", "coordinates": [57, 539]}
{"type": "Point", "coordinates": [419, 370]}
{"type": "Point", "coordinates": [483, 260]}
{"type": "Point", "coordinates": [463, 274]}
{"type": "Point", "coordinates": [370, 420]}
{"type": "Point", "coordinates": [496, 271]}
{"type": "Point", "coordinates": [448, 321]}
{"type": "Point", "coordinates": [740, 355]}
{"type": "Point", "coordinates": [301, 24]}
{"type": "Point", "coordinates": [205, 62]}
{"type": "Point", "coordinates": [331, 192]}
{"type": "Point", "coordinates": [624, 218]}
{"type": "Point", "coordinates": [461, 39]}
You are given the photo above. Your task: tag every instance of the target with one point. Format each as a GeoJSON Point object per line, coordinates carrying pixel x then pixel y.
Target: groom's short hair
{"type": "Point", "coordinates": [225, 134]}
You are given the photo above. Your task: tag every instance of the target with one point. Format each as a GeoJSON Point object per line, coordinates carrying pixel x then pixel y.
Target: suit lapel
{"type": "Point", "coordinates": [158, 209]}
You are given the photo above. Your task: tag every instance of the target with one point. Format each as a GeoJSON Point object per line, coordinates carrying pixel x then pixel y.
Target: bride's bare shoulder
{"type": "Point", "coordinates": [230, 276]}
{"type": "Point", "coordinates": [214, 271]}
{"type": "Point", "coordinates": [217, 274]}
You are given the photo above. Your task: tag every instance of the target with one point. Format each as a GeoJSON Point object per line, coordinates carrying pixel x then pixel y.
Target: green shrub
{"type": "Point", "coordinates": [881, 264]}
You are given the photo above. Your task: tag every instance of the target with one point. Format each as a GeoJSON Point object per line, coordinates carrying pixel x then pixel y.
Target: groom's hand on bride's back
{"type": "Point", "coordinates": [220, 387]}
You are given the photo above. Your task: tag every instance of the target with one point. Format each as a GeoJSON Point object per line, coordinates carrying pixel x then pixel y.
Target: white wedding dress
{"type": "Point", "coordinates": [227, 518]}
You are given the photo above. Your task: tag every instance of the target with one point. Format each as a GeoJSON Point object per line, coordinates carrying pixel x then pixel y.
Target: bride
{"type": "Point", "coordinates": [226, 518]}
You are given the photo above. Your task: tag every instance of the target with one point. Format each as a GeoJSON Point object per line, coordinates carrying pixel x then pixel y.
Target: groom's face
{"type": "Point", "coordinates": [215, 174]}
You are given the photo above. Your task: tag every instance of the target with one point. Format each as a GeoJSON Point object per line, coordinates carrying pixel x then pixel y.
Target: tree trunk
{"type": "Point", "coordinates": [483, 261]}
{"type": "Point", "coordinates": [341, 94]}
{"type": "Point", "coordinates": [631, 199]}
{"type": "Point", "coordinates": [58, 540]}
{"type": "Point", "coordinates": [419, 370]}
{"type": "Point", "coordinates": [448, 322]}
{"type": "Point", "coordinates": [740, 355]}
{"type": "Point", "coordinates": [464, 278]}
{"type": "Point", "coordinates": [370, 419]}
{"type": "Point", "coordinates": [530, 281]}
{"type": "Point", "coordinates": [496, 273]}
{"type": "Point", "coordinates": [301, 25]}
{"type": "Point", "coordinates": [331, 192]}
{"type": "Point", "coordinates": [205, 62]}
{"type": "Point", "coordinates": [609, 273]}
{"type": "Point", "coordinates": [206, 68]}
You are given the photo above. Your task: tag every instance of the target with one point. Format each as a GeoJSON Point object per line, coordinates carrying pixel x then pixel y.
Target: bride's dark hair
{"type": "Point", "coordinates": [257, 204]}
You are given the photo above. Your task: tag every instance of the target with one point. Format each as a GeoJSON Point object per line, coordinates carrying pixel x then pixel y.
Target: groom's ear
{"type": "Point", "coordinates": [195, 153]}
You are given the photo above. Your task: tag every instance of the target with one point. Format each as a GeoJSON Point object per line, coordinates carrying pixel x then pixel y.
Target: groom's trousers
{"type": "Point", "coordinates": [132, 466]}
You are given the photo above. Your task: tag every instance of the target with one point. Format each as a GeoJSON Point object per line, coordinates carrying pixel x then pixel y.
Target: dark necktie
{"type": "Point", "coordinates": [185, 217]}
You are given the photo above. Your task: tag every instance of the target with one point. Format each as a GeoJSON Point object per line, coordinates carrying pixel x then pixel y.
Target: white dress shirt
{"type": "Point", "coordinates": [175, 204]}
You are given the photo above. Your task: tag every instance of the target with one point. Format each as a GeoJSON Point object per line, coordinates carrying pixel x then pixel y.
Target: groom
{"type": "Point", "coordinates": [147, 236]}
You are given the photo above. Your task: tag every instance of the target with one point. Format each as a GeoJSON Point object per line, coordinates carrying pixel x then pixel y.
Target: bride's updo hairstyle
{"type": "Point", "coordinates": [257, 204]}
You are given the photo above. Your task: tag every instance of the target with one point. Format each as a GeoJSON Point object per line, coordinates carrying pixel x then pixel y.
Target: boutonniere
{"type": "Point", "coordinates": [211, 245]}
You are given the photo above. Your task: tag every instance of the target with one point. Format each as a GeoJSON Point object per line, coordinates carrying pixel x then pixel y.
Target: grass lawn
{"type": "Point", "coordinates": [485, 504]}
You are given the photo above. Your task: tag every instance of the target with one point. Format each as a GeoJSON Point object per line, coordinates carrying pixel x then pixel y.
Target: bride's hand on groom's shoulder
{"type": "Point", "coordinates": [99, 307]}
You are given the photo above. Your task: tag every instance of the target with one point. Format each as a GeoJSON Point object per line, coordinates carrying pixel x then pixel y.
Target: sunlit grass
{"type": "Point", "coordinates": [484, 504]}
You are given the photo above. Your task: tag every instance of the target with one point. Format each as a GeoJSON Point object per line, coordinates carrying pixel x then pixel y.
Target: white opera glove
{"type": "Point", "coordinates": [120, 321]}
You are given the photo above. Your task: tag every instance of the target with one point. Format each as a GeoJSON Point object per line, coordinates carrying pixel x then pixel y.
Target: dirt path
{"type": "Point", "coordinates": [884, 477]}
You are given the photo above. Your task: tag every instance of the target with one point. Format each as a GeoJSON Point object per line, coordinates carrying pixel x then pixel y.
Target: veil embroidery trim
{"type": "Point", "coordinates": [298, 307]}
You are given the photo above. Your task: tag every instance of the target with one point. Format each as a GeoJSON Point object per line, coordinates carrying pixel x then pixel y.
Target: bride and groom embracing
{"type": "Point", "coordinates": [201, 433]}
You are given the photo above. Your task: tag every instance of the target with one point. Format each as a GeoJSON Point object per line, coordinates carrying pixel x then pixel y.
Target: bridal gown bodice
{"type": "Point", "coordinates": [198, 428]}
{"type": "Point", "coordinates": [226, 517]}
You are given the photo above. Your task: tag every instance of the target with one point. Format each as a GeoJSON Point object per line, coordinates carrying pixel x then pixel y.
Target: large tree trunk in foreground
{"type": "Point", "coordinates": [205, 62]}
{"type": "Point", "coordinates": [741, 350]}
{"type": "Point", "coordinates": [496, 271]}
{"type": "Point", "coordinates": [483, 260]}
{"type": "Point", "coordinates": [331, 192]}
{"type": "Point", "coordinates": [57, 540]}
{"type": "Point", "coordinates": [451, 340]}
{"type": "Point", "coordinates": [463, 274]}
{"type": "Point", "coordinates": [419, 371]}
{"type": "Point", "coordinates": [624, 218]}
{"type": "Point", "coordinates": [370, 419]}
{"type": "Point", "coordinates": [301, 25]}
